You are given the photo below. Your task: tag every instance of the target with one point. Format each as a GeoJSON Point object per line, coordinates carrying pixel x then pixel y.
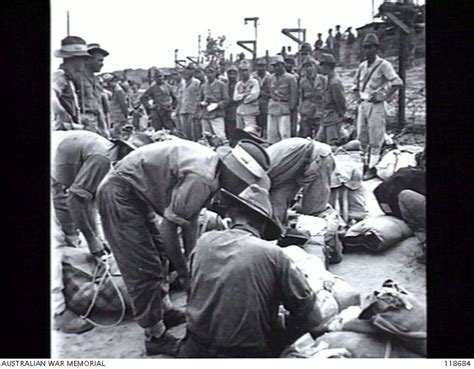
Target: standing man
{"type": "Point", "coordinates": [66, 82]}
{"type": "Point", "coordinates": [163, 99]}
{"type": "Point", "coordinates": [337, 43]}
{"type": "Point", "coordinates": [79, 161]}
{"type": "Point", "coordinates": [246, 94]}
{"type": "Point", "coordinates": [311, 90]}
{"type": "Point", "coordinates": [283, 99]}
{"type": "Point", "coordinates": [300, 163]}
{"type": "Point", "coordinates": [118, 106]}
{"type": "Point", "coordinates": [375, 82]}
{"type": "Point", "coordinates": [334, 103]}
{"type": "Point", "coordinates": [238, 282]}
{"type": "Point", "coordinates": [330, 41]}
{"type": "Point", "coordinates": [350, 40]}
{"type": "Point", "coordinates": [94, 116]}
{"type": "Point", "coordinates": [231, 108]}
{"type": "Point", "coordinates": [290, 64]}
{"type": "Point", "coordinates": [318, 44]}
{"type": "Point", "coordinates": [175, 179]}
{"type": "Point", "coordinates": [263, 78]}
{"type": "Point", "coordinates": [214, 98]}
{"type": "Point", "coordinates": [188, 106]}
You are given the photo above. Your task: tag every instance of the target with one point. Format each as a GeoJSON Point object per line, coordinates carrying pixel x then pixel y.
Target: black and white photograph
{"type": "Point", "coordinates": [238, 179]}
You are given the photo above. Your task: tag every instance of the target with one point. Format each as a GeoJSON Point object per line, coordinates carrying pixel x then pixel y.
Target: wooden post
{"type": "Point", "coordinates": [402, 62]}
{"type": "Point", "coordinates": [67, 20]}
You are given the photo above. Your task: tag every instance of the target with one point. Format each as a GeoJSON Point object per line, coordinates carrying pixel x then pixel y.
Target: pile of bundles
{"type": "Point", "coordinates": [390, 323]}
{"type": "Point", "coordinates": [399, 168]}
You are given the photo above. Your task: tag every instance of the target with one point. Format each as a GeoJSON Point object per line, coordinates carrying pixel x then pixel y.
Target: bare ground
{"type": "Point", "coordinates": [363, 270]}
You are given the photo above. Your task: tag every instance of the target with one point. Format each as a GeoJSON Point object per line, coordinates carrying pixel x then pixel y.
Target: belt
{"type": "Point", "coordinates": [280, 100]}
{"type": "Point", "coordinates": [95, 112]}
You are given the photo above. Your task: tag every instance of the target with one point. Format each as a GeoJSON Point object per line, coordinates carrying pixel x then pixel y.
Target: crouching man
{"type": "Point", "coordinates": [175, 179]}
{"type": "Point", "coordinates": [239, 281]}
{"type": "Point", "coordinates": [79, 161]}
{"type": "Point", "coordinates": [300, 163]}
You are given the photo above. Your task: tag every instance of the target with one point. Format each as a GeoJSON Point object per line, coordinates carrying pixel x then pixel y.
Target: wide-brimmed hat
{"type": "Point", "coordinates": [327, 59]}
{"type": "Point", "coordinates": [371, 39]}
{"type": "Point", "coordinates": [248, 133]}
{"type": "Point", "coordinates": [136, 140]}
{"type": "Point", "coordinates": [96, 48]}
{"type": "Point", "coordinates": [72, 46]}
{"type": "Point", "coordinates": [245, 164]}
{"type": "Point", "coordinates": [257, 199]}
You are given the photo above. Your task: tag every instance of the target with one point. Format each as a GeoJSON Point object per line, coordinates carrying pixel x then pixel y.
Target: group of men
{"type": "Point", "coordinates": [149, 195]}
{"type": "Point", "coordinates": [333, 42]}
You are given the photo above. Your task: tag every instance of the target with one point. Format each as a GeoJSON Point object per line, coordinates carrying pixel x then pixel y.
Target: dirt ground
{"type": "Point", "coordinates": [363, 270]}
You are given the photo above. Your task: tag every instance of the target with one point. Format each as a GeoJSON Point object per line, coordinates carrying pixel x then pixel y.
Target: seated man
{"type": "Point", "coordinates": [300, 163]}
{"type": "Point", "coordinates": [239, 281]}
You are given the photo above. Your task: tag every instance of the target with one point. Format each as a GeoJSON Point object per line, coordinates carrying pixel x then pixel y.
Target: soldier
{"type": "Point", "coordinates": [163, 99]}
{"type": "Point", "coordinates": [214, 98]}
{"type": "Point", "coordinates": [284, 99]}
{"type": "Point", "coordinates": [80, 160]}
{"type": "Point", "coordinates": [334, 104]}
{"type": "Point", "coordinates": [375, 82]}
{"type": "Point", "coordinates": [311, 88]}
{"type": "Point", "coordinates": [263, 77]}
{"type": "Point", "coordinates": [94, 116]}
{"type": "Point", "coordinates": [299, 163]}
{"type": "Point", "coordinates": [65, 83]}
{"type": "Point", "coordinates": [175, 179]}
{"type": "Point", "coordinates": [246, 93]}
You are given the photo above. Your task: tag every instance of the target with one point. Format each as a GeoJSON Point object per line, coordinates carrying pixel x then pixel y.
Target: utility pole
{"type": "Point", "coordinates": [299, 27]}
{"type": "Point", "coordinates": [67, 22]}
{"type": "Point", "coordinates": [255, 24]}
{"type": "Point", "coordinates": [199, 48]}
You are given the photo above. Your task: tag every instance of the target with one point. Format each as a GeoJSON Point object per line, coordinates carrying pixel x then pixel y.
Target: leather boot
{"type": "Point", "coordinates": [69, 322]}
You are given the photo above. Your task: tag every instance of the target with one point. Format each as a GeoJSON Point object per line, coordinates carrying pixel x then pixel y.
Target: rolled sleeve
{"type": "Point", "coordinates": [89, 177]}
{"type": "Point", "coordinates": [390, 74]}
{"type": "Point", "coordinates": [188, 198]}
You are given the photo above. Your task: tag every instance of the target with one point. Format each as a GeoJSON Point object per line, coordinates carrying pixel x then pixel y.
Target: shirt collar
{"type": "Point", "coordinates": [247, 228]}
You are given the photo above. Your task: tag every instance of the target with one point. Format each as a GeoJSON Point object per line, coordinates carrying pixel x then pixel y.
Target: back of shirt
{"type": "Point", "coordinates": [71, 149]}
{"type": "Point", "coordinates": [175, 177]}
{"type": "Point", "coordinates": [238, 282]}
{"type": "Point", "coordinates": [288, 159]}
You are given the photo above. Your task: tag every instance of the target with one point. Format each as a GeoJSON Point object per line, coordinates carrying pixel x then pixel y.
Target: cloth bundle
{"type": "Point", "coordinates": [395, 160]}
{"type": "Point", "coordinates": [333, 294]}
{"type": "Point", "coordinates": [390, 323]}
{"type": "Point", "coordinates": [91, 288]}
{"type": "Point", "coordinates": [377, 234]}
{"type": "Point", "coordinates": [347, 193]}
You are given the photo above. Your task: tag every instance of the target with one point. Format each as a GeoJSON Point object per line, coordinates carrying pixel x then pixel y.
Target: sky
{"type": "Point", "coordinates": [145, 33]}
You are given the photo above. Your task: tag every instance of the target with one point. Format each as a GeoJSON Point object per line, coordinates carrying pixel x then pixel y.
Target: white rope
{"type": "Point", "coordinates": [94, 299]}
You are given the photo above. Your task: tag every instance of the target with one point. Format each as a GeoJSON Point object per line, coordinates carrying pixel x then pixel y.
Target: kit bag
{"type": "Point", "coordinates": [404, 179]}
{"type": "Point", "coordinates": [393, 161]}
{"type": "Point", "coordinates": [377, 233]}
{"type": "Point", "coordinates": [92, 289]}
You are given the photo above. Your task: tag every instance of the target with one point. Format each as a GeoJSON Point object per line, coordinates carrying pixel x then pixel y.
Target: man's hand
{"type": "Point", "coordinates": [98, 247]}
{"type": "Point", "coordinates": [101, 256]}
